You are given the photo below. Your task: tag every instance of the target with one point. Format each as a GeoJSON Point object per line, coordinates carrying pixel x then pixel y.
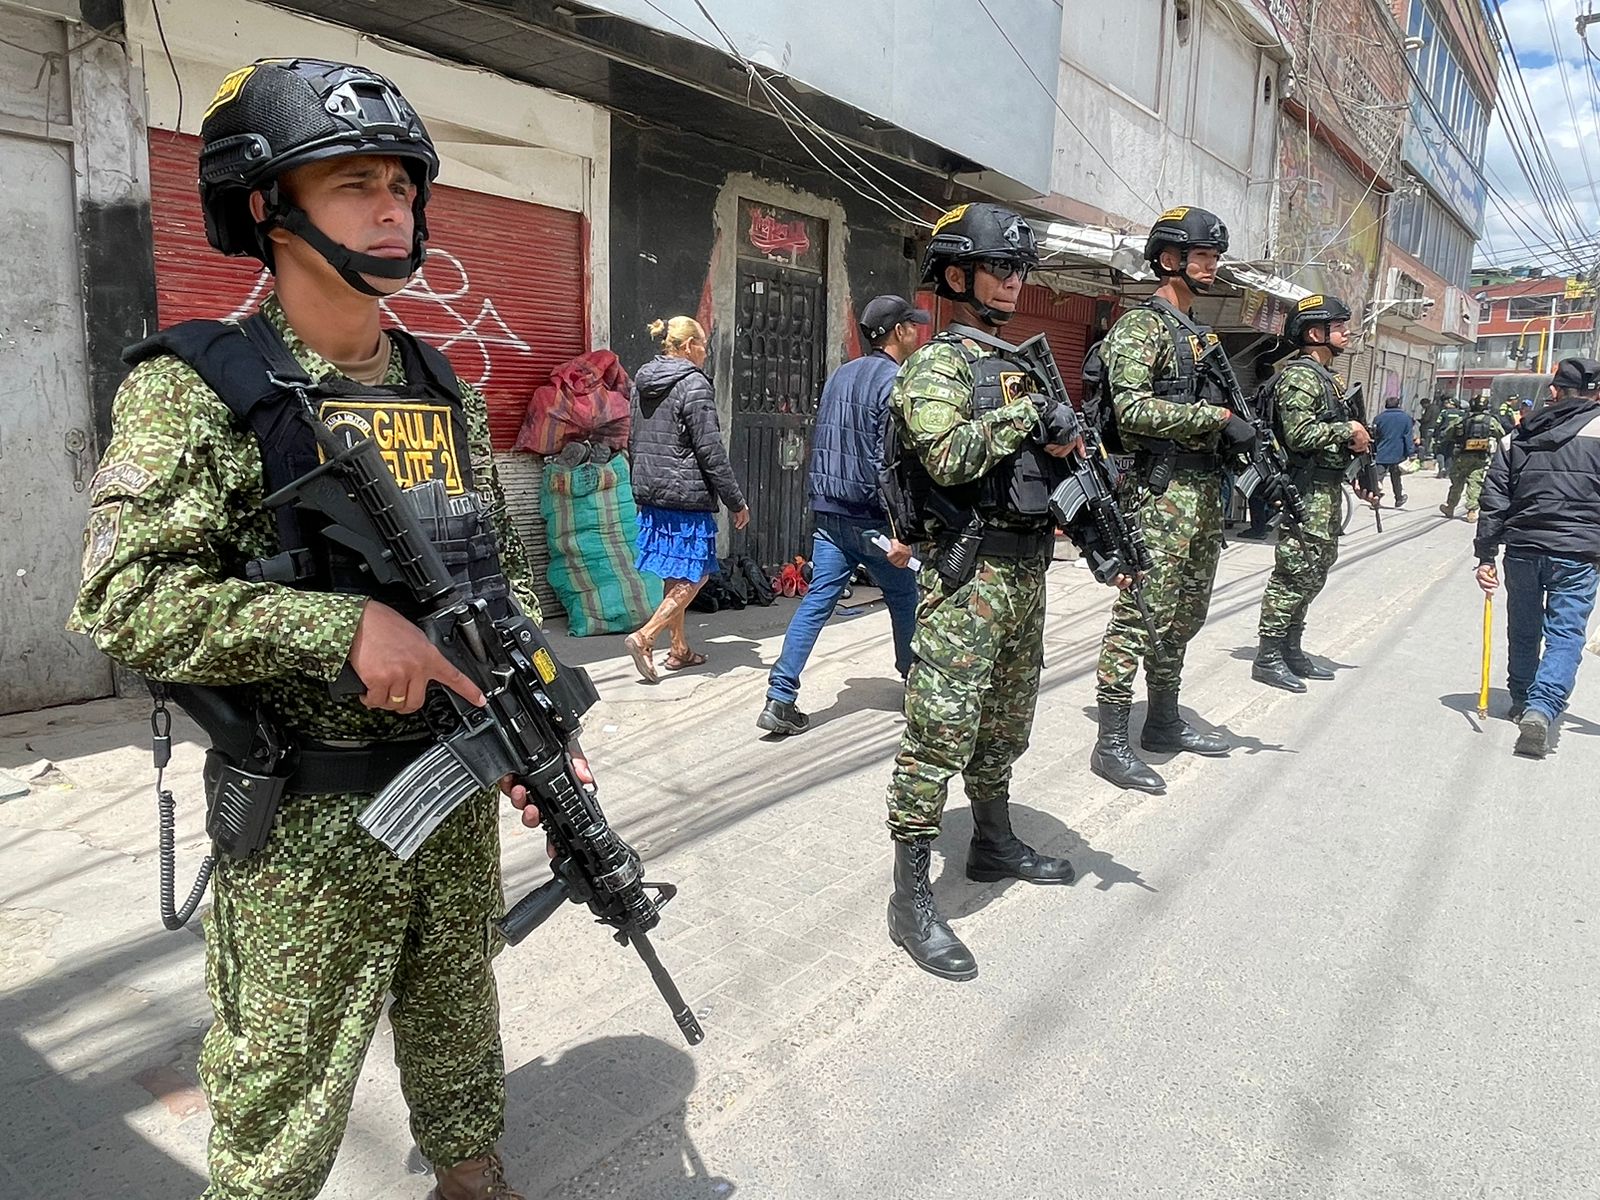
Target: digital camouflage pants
{"type": "Point", "coordinates": [971, 692]}
{"type": "Point", "coordinates": [1304, 558]}
{"type": "Point", "coordinates": [303, 943]}
{"type": "Point", "coordinates": [1183, 529]}
{"type": "Point", "coordinates": [1466, 475]}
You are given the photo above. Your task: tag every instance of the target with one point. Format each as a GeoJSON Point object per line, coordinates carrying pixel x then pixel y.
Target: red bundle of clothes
{"type": "Point", "coordinates": [587, 399]}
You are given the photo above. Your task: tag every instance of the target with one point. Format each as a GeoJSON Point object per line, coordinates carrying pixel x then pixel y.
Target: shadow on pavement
{"type": "Point", "coordinates": [67, 1130]}
{"type": "Point", "coordinates": [567, 1117]}
{"type": "Point", "coordinates": [958, 896]}
{"type": "Point", "coordinates": [1466, 703]}
{"type": "Point", "coordinates": [861, 693]}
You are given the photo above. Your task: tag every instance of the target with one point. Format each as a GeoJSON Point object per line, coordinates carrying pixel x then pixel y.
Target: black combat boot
{"type": "Point", "coordinates": [998, 853]}
{"type": "Point", "coordinates": [1114, 760]}
{"type": "Point", "coordinates": [1165, 730]}
{"type": "Point", "coordinates": [1270, 668]}
{"type": "Point", "coordinates": [1295, 658]}
{"type": "Point", "coordinates": [915, 924]}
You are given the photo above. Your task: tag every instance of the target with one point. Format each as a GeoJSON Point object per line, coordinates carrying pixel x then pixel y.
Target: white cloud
{"type": "Point", "coordinates": [1564, 91]}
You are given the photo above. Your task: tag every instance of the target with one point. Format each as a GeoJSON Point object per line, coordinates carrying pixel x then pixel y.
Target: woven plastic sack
{"type": "Point", "coordinates": [592, 526]}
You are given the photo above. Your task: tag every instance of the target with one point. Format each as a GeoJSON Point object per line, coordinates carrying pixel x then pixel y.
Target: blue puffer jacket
{"type": "Point", "coordinates": [847, 445]}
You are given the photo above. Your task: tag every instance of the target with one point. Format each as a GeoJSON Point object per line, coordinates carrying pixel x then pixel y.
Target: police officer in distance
{"type": "Point", "coordinates": [1179, 430]}
{"type": "Point", "coordinates": [322, 171]}
{"type": "Point", "coordinates": [1320, 441]}
{"type": "Point", "coordinates": [1472, 436]}
{"type": "Point", "coordinates": [982, 439]}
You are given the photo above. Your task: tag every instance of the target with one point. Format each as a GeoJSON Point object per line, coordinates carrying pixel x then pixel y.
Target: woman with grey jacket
{"type": "Point", "coordinates": [680, 474]}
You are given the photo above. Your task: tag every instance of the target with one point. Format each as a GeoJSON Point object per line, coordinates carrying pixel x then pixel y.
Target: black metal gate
{"type": "Point", "coordinates": [779, 360]}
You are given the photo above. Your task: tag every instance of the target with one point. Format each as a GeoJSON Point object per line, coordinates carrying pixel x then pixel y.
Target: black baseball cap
{"type": "Point", "coordinates": [883, 313]}
{"type": "Point", "coordinates": [1572, 374]}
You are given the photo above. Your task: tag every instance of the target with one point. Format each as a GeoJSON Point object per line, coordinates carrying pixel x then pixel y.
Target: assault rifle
{"type": "Point", "coordinates": [1084, 503]}
{"type": "Point", "coordinates": [1268, 470]}
{"type": "Point", "coordinates": [531, 715]}
{"type": "Point", "coordinates": [1363, 470]}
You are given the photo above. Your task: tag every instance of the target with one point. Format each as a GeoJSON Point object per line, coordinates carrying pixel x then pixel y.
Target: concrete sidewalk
{"type": "Point", "coordinates": [776, 938]}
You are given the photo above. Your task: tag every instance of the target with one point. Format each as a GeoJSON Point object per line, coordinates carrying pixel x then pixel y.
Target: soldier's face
{"type": "Point", "coordinates": [1339, 335]}
{"type": "Point", "coordinates": [999, 294]}
{"type": "Point", "coordinates": [364, 203]}
{"type": "Point", "coordinates": [1203, 262]}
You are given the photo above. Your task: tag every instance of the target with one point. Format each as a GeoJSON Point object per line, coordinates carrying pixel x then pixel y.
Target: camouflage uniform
{"type": "Point", "coordinates": [971, 692]}
{"type": "Point", "coordinates": [304, 940]}
{"type": "Point", "coordinates": [1182, 526]}
{"type": "Point", "coordinates": [1306, 555]}
{"type": "Point", "coordinates": [1467, 470]}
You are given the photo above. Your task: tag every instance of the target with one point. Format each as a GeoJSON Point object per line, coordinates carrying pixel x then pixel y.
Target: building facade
{"type": "Point", "coordinates": [1525, 326]}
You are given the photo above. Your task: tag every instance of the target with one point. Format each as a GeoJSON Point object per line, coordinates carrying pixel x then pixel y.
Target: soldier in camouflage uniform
{"type": "Point", "coordinates": [322, 171]}
{"type": "Point", "coordinates": [1473, 436]}
{"type": "Point", "coordinates": [1321, 442]}
{"type": "Point", "coordinates": [1179, 432]}
{"type": "Point", "coordinates": [979, 441]}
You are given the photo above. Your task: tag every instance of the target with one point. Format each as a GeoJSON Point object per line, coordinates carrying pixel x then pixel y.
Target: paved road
{"type": "Point", "coordinates": [1355, 959]}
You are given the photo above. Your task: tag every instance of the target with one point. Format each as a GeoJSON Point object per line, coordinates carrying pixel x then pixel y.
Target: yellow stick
{"type": "Point", "coordinates": [1488, 634]}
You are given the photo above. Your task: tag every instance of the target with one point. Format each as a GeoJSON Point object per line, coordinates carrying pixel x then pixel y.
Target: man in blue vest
{"type": "Point", "coordinates": [847, 448]}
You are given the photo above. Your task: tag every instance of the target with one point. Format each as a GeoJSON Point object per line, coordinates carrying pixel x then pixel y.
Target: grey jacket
{"type": "Point", "coordinates": [679, 461]}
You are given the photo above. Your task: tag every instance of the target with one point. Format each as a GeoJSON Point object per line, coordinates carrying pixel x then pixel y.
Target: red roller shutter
{"type": "Point", "coordinates": [504, 292]}
{"type": "Point", "coordinates": [1065, 320]}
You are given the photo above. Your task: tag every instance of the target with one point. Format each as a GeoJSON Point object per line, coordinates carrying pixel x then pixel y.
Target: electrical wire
{"type": "Point", "coordinates": [1160, 204]}
{"type": "Point", "coordinates": [1354, 208]}
{"type": "Point", "coordinates": [1572, 108]}
{"type": "Point", "coordinates": [782, 106]}
{"type": "Point", "coordinates": [161, 30]}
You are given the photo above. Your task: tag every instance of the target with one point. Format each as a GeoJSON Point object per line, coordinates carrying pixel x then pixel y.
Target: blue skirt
{"type": "Point", "coordinates": [675, 544]}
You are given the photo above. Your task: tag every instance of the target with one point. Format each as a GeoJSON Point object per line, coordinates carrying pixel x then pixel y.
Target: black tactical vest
{"type": "Point", "coordinates": [1190, 340]}
{"type": "Point", "coordinates": [1478, 434]}
{"type": "Point", "coordinates": [419, 427]}
{"type": "Point", "coordinates": [1017, 492]}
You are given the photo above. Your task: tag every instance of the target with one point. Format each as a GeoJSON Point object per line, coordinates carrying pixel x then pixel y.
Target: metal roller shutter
{"type": "Point", "coordinates": [503, 294]}
{"type": "Point", "coordinates": [1065, 320]}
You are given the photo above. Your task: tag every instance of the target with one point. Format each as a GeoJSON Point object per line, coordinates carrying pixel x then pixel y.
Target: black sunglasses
{"type": "Point", "coordinates": [1004, 268]}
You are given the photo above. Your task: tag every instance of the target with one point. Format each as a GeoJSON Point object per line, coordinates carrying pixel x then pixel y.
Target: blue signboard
{"type": "Point", "coordinates": [1429, 152]}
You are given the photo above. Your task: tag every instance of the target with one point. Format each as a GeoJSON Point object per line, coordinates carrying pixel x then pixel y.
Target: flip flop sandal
{"type": "Point", "coordinates": [643, 658]}
{"type": "Point", "coordinates": [674, 663]}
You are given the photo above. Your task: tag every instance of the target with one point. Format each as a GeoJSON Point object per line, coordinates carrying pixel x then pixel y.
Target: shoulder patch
{"type": "Point", "coordinates": [100, 537]}
{"type": "Point", "coordinates": [120, 479]}
{"type": "Point", "coordinates": [933, 417]}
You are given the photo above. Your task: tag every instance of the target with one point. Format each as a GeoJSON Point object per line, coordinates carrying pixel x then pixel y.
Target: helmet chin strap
{"type": "Point", "coordinates": [992, 316]}
{"type": "Point", "coordinates": [350, 265]}
{"type": "Point", "coordinates": [1195, 285]}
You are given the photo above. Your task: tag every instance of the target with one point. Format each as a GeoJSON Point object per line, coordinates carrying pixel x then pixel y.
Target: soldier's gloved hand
{"type": "Point", "coordinates": [1238, 434]}
{"type": "Point", "coordinates": [1058, 424]}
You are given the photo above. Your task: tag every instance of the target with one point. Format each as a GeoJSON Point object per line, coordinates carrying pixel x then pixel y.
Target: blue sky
{"type": "Point", "coordinates": [1565, 93]}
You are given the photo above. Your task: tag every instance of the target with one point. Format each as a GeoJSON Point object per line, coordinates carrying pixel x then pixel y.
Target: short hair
{"type": "Point", "coordinates": [1392, 402]}
{"type": "Point", "coordinates": [677, 332]}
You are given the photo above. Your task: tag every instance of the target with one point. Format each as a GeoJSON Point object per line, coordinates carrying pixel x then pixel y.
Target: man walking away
{"type": "Point", "coordinates": [1397, 441]}
{"type": "Point", "coordinates": [847, 449]}
{"type": "Point", "coordinates": [1541, 500]}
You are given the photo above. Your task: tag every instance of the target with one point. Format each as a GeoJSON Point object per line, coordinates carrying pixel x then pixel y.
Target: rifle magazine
{"type": "Point", "coordinates": [417, 800]}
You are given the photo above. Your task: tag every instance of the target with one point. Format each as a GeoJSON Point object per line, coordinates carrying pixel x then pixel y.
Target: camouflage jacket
{"type": "Point", "coordinates": [1302, 405]}
{"type": "Point", "coordinates": [932, 400]}
{"type": "Point", "coordinates": [1138, 353]}
{"type": "Point", "coordinates": [177, 495]}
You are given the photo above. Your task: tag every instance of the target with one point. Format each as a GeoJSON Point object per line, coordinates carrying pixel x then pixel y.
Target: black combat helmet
{"type": "Point", "coordinates": [970, 233]}
{"type": "Point", "coordinates": [1184, 229]}
{"type": "Point", "coordinates": [1314, 310]}
{"type": "Point", "coordinates": [277, 114]}
{"type": "Point", "coordinates": [1479, 403]}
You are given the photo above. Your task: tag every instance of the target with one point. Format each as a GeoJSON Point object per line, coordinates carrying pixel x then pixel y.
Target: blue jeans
{"type": "Point", "coordinates": [1548, 599]}
{"type": "Point", "coordinates": [840, 545]}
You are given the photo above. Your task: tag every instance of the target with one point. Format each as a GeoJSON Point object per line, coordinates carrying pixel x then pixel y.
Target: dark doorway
{"type": "Point", "coordinates": [779, 362]}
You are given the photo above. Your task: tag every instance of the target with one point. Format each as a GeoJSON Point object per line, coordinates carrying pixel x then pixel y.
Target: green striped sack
{"type": "Point", "coordinates": [592, 526]}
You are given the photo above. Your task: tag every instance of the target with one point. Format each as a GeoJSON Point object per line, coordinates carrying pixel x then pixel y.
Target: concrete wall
{"type": "Point", "coordinates": [1123, 150]}
{"type": "Point", "coordinates": [938, 68]}
{"type": "Point", "coordinates": [493, 135]}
